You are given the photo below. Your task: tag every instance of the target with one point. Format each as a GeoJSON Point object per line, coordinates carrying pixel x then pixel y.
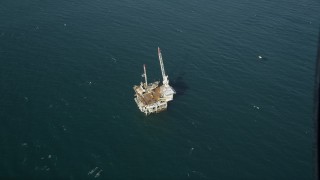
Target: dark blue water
{"type": "Point", "coordinates": [66, 98]}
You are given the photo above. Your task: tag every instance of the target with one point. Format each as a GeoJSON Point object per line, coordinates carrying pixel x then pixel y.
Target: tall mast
{"type": "Point", "coordinates": [165, 78]}
{"type": "Point", "coordinates": [145, 76]}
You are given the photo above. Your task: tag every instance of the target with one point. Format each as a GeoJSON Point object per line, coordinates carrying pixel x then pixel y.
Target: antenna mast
{"type": "Point", "coordinates": [165, 78]}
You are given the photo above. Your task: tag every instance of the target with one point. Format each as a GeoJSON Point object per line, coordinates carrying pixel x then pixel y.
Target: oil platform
{"type": "Point", "coordinates": [153, 97]}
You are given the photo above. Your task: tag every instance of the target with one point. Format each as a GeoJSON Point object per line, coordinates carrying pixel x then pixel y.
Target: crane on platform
{"type": "Point", "coordinates": [164, 76]}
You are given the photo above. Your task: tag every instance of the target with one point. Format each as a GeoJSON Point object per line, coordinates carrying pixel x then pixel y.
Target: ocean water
{"type": "Point", "coordinates": [66, 98]}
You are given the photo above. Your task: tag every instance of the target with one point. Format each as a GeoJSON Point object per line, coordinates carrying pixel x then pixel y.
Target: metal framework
{"type": "Point", "coordinates": [154, 98]}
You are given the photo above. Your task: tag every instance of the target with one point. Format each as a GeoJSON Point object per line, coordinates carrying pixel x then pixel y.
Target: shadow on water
{"type": "Point", "coordinates": [179, 85]}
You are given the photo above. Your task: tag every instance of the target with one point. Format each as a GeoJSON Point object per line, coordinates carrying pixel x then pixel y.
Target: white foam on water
{"type": "Point", "coordinates": [45, 168]}
{"type": "Point", "coordinates": [200, 174]}
{"type": "Point", "coordinates": [98, 174]}
{"type": "Point", "coordinates": [191, 150]}
{"type": "Point", "coordinates": [92, 171]}
{"type": "Point", "coordinates": [256, 107]}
